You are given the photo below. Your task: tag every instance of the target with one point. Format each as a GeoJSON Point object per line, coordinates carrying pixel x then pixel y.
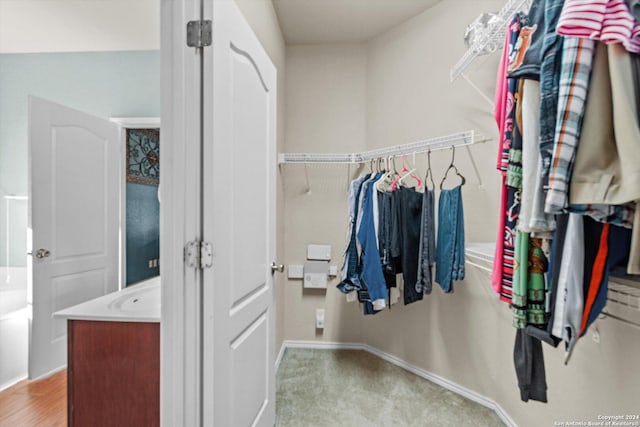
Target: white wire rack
{"type": "Point", "coordinates": [440, 143]}
{"type": "Point", "coordinates": [623, 302]}
{"type": "Point", "coordinates": [491, 39]}
{"type": "Point", "coordinates": [623, 297]}
{"type": "Point", "coordinates": [461, 139]}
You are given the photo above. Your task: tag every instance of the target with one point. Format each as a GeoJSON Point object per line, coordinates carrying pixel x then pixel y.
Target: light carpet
{"type": "Point", "coordinates": [353, 388]}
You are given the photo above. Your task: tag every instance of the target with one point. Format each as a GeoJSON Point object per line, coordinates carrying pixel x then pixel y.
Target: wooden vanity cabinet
{"type": "Point", "coordinates": [113, 374]}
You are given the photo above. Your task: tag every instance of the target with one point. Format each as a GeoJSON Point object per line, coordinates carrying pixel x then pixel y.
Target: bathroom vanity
{"type": "Point", "coordinates": [114, 358]}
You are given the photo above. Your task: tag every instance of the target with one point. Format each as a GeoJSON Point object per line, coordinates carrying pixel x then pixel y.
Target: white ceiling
{"type": "Point", "coordinates": [99, 25]}
{"type": "Point", "coordinates": [343, 21]}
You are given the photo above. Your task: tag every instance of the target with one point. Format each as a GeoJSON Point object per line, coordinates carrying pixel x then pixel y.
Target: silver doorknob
{"type": "Point", "coordinates": [40, 253]}
{"type": "Point", "coordinates": [277, 267]}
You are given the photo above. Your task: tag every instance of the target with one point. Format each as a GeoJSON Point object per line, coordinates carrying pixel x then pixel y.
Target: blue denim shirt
{"type": "Point", "coordinates": [371, 268]}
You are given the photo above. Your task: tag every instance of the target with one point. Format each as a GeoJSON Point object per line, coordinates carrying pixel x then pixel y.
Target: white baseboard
{"type": "Point", "coordinates": [443, 382]}
{"type": "Point", "coordinates": [12, 382]}
{"type": "Point", "coordinates": [321, 345]}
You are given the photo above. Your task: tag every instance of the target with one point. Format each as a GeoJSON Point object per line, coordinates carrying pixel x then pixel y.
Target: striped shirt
{"type": "Point", "coordinates": [577, 62]}
{"type": "Point", "coordinates": [609, 21]}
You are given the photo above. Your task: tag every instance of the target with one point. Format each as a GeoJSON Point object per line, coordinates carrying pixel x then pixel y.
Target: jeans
{"type": "Point", "coordinates": [450, 244]}
{"type": "Point", "coordinates": [549, 83]}
{"type": "Point", "coordinates": [384, 239]}
{"type": "Point", "coordinates": [427, 252]}
{"type": "Point", "coordinates": [409, 208]}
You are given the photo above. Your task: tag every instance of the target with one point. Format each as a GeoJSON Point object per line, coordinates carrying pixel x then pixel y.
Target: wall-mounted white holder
{"type": "Point", "coordinates": [315, 274]}
{"type": "Point", "coordinates": [319, 252]}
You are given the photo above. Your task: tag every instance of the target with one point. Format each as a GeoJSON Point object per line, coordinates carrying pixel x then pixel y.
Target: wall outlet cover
{"type": "Point", "coordinates": [320, 318]}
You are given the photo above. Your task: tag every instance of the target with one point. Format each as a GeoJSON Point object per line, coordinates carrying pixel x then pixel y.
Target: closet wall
{"type": "Point", "coordinates": [326, 106]}
{"type": "Point", "coordinates": [262, 18]}
{"type": "Point", "coordinates": [465, 337]}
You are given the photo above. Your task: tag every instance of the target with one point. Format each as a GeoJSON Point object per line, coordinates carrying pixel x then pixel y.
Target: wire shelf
{"type": "Point", "coordinates": [439, 143]}
{"type": "Point", "coordinates": [491, 38]}
{"type": "Point", "coordinates": [623, 302]}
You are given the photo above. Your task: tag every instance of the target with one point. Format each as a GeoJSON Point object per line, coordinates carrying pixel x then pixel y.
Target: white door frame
{"type": "Point", "coordinates": [179, 216]}
{"type": "Point", "coordinates": [125, 123]}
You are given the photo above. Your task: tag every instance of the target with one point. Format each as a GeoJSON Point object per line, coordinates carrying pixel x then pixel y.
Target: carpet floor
{"type": "Point", "coordinates": [353, 388]}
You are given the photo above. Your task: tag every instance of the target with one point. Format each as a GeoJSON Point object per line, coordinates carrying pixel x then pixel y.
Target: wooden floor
{"type": "Point", "coordinates": [40, 403]}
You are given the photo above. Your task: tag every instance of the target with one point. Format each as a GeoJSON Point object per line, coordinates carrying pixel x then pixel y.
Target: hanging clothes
{"type": "Point", "coordinates": [570, 292]}
{"type": "Point", "coordinates": [409, 206]}
{"type": "Point", "coordinates": [387, 262]}
{"type": "Point", "coordinates": [550, 69]}
{"type": "Point", "coordinates": [532, 215]}
{"type": "Point", "coordinates": [529, 362]}
{"type": "Point", "coordinates": [607, 164]}
{"type": "Point", "coordinates": [371, 274]}
{"type": "Point", "coordinates": [526, 56]}
{"type": "Point", "coordinates": [577, 59]}
{"type": "Point", "coordinates": [450, 244]}
{"type": "Point", "coordinates": [609, 21]}
{"type": "Point", "coordinates": [350, 274]}
{"type": "Point", "coordinates": [427, 251]}
{"type": "Point", "coordinates": [509, 204]}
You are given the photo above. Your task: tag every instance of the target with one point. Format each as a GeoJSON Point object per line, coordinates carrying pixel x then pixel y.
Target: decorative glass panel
{"type": "Point", "coordinates": [143, 156]}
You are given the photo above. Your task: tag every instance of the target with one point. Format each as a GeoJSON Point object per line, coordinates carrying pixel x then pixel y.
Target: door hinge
{"type": "Point", "coordinates": [198, 255]}
{"type": "Point", "coordinates": [199, 33]}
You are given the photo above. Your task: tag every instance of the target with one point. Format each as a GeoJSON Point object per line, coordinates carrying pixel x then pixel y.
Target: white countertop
{"type": "Point", "coordinates": [137, 303]}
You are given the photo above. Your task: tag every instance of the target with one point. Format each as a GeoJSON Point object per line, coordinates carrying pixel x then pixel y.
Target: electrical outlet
{"type": "Point", "coordinates": [319, 318]}
{"type": "Point", "coordinates": [150, 263]}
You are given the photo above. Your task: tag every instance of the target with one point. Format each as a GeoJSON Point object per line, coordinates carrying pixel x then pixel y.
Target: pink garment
{"type": "Point", "coordinates": [502, 89]}
{"type": "Point", "coordinates": [500, 114]}
{"type": "Point", "coordinates": [498, 264]}
{"type": "Point", "coordinates": [609, 21]}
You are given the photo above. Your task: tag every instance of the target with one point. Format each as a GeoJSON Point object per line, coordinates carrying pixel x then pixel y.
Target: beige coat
{"type": "Point", "coordinates": [607, 165]}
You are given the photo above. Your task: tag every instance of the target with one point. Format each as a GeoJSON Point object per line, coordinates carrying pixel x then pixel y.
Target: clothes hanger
{"type": "Point", "coordinates": [452, 166]}
{"type": "Point", "coordinates": [429, 174]}
{"type": "Point", "coordinates": [413, 175]}
{"type": "Point", "coordinates": [406, 173]}
{"type": "Point", "coordinates": [383, 185]}
{"type": "Point", "coordinates": [394, 184]}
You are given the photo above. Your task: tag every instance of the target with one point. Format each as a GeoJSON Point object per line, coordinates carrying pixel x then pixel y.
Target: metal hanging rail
{"type": "Point", "coordinates": [491, 39]}
{"type": "Point", "coordinates": [440, 143]}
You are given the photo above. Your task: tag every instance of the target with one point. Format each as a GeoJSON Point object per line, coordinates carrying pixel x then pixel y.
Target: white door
{"type": "Point", "coordinates": [73, 218]}
{"type": "Point", "coordinates": [239, 85]}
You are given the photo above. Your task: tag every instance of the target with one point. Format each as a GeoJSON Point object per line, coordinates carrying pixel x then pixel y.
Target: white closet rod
{"type": "Point", "coordinates": [440, 143]}
{"type": "Point", "coordinates": [491, 39]}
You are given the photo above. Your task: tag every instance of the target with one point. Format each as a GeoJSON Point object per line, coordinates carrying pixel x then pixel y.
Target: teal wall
{"type": "Point", "coordinates": [105, 84]}
{"type": "Point", "coordinates": [143, 231]}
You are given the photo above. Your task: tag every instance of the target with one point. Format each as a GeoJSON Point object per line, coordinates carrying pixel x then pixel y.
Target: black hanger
{"type": "Point", "coordinates": [429, 173]}
{"type": "Point", "coordinates": [452, 166]}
